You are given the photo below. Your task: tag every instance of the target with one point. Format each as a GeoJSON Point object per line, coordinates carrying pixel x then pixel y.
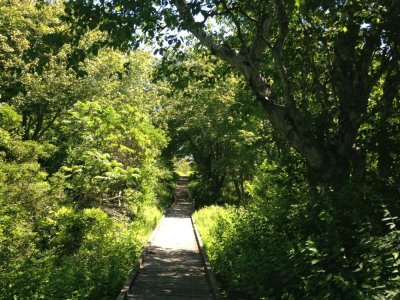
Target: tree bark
{"type": "Point", "coordinates": [329, 162]}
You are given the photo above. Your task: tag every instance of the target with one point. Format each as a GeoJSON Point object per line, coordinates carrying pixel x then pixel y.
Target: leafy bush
{"type": "Point", "coordinates": [82, 182]}
{"type": "Point", "coordinates": [95, 265]}
{"type": "Point", "coordinates": [49, 250]}
{"type": "Point", "coordinates": [285, 245]}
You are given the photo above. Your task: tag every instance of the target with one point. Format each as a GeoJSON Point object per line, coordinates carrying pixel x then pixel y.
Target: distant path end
{"type": "Point", "coordinates": [173, 267]}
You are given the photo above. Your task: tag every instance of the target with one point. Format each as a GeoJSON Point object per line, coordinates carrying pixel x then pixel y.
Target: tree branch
{"type": "Point", "coordinates": [260, 42]}
{"type": "Point", "coordinates": [277, 51]}
{"type": "Point", "coordinates": [287, 120]}
{"type": "Point", "coordinates": [236, 22]}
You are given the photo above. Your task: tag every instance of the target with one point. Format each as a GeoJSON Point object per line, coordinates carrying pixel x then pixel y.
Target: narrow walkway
{"type": "Point", "coordinates": [173, 268]}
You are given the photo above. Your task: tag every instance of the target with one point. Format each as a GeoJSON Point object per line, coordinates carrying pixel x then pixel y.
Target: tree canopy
{"type": "Point", "coordinates": [287, 113]}
{"type": "Point", "coordinates": [82, 181]}
{"type": "Point", "coordinates": [312, 65]}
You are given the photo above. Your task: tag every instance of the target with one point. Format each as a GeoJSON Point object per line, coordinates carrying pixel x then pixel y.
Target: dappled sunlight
{"type": "Point", "coordinates": [173, 265]}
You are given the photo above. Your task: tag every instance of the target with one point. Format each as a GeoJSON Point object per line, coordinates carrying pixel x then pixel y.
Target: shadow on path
{"type": "Point", "coordinates": [173, 268]}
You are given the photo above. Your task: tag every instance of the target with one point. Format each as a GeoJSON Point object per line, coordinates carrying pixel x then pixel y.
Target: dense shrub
{"type": "Point", "coordinates": [52, 249]}
{"type": "Point", "coordinates": [82, 181]}
{"type": "Point", "coordinates": [286, 245]}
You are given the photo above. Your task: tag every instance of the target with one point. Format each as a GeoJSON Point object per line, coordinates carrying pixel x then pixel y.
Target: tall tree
{"type": "Point", "coordinates": [209, 122]}
{"type": "Point", "coordinates": [312, 65]}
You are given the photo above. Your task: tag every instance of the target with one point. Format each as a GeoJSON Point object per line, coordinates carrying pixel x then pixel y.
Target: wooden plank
{"type": "Point", "coordinates": [164, 296]}
{"type": "Point", "coordinates": [172, 284]}
{"type": "Point", "coordinates": [173, 267]}
{"type": "Point", "coordinates": [207, 266]}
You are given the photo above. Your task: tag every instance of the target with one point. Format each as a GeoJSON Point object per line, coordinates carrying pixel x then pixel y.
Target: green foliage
{"type": "Point", "coordinates": [312, 167]}
{"type": "Point", "coordinates": [78, 251]}
{"type": "Point", "coordinates": [112, 151]}
{"type": "Point", "coordinates": [57, 251]}
{"type": "Point", "coordinates": [286, 245]}
{"type": "Point", "coordinates": [209, 123]}
{"type": "Point", "coordinates": [313, 66]}
{"type": "Point", "coordinates": [9, 118]}
{"type": "Point", "coordinates": [82, 182]}
{"type": "Point", "coordinates": [26, 196]}
{"type": "Point", "coordinates": [183, 166]}
{"type": "Point", "coordinates": [92, 250]}
{"type": "Point", "coordinates": [73, 254]}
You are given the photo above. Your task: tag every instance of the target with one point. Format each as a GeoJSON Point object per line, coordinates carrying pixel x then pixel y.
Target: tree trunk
{"type": "Point", "coordinates": [329, 162]}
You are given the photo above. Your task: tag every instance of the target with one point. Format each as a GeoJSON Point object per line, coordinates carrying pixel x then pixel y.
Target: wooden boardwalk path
{"type": "Point", "coordinates": [173, 267]}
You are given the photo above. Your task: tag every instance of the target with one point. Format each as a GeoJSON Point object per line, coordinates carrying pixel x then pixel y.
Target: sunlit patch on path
{"type": "Point", "coordinates": [173, 267]}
